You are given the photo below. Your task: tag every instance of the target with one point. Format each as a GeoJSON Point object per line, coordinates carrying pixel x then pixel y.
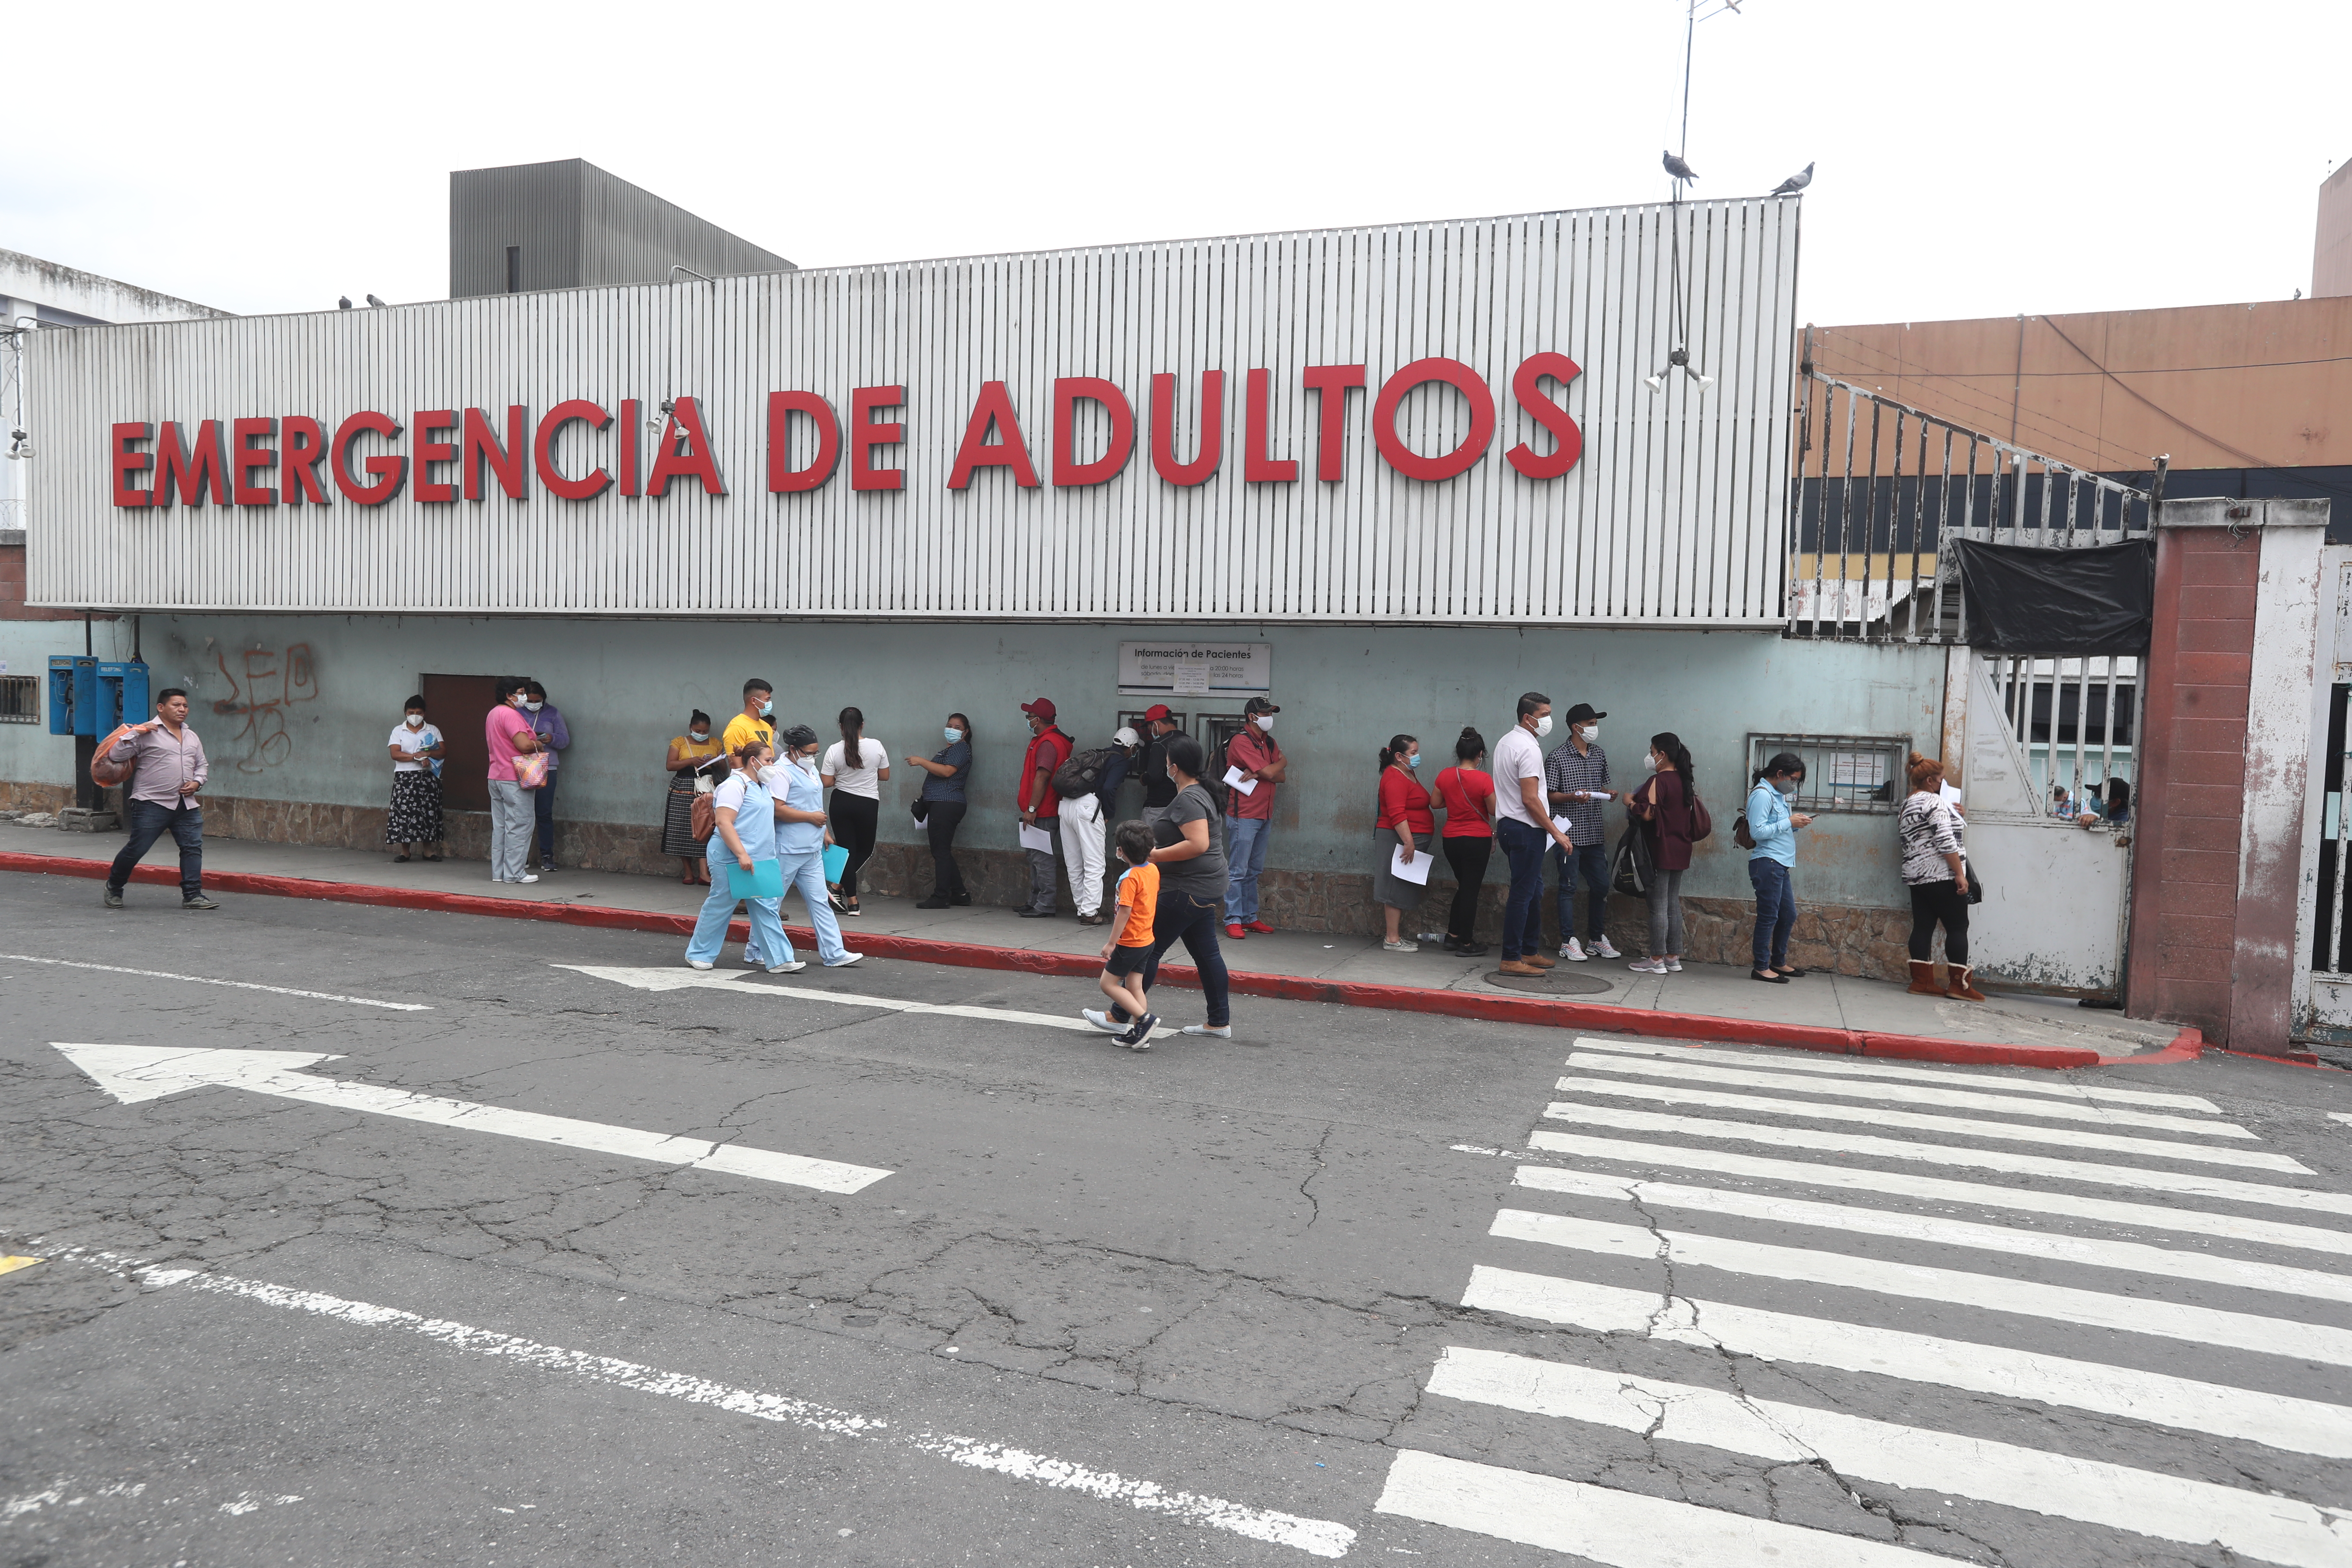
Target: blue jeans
{"type": "Point", "coordinates": [1245, 853]}
{"type": "Point", "coordinates": [1776, 910]}
{"type": "Point", "coordinates": [149, 822]}
{"type": "Point", "coordinates": [1179, 916]}
{"type": "Point", "coordinates": [1523, 846]}
{"type": "Point", "coordinates": [543, 811]}
{"type": "Point", "coordinates": [805, 871]}
{"type": "Point", "coordinates": [718, 910]}
{"type": "Point", "coordinates": [1592, 865]}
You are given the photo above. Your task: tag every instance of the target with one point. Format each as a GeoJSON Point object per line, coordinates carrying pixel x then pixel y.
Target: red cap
{"type": "Point", "coordinates": [1157, 712]}
{"type": "Point", "coordinates": [1043, 708]}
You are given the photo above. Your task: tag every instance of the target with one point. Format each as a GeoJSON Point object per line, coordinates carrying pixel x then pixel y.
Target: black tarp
{"type": "Point", "coordinates": [2025, 599]}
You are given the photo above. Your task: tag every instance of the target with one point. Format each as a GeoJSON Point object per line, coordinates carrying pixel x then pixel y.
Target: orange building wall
{"type": "Point", "coordinates": [2217, 386]}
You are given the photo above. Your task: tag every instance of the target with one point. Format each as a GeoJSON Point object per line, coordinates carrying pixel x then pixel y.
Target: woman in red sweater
{"type": "Point", "coordinates": [1662, 807]}
{"type": "Point", "coordinates": [1404, 828]}
{"type": "Point", "coordinates": [1468, 796]}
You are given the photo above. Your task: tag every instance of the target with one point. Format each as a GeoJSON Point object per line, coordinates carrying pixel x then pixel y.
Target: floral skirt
{"type": "Point", "coordinates": [416, 816]}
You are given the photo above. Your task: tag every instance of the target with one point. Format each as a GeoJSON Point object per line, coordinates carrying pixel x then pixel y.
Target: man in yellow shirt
{"type": "Point", "coordinates": [757, 721]}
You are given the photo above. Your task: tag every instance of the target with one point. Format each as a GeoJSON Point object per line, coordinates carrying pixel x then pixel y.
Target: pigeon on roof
{"type": "Point", "coordinates": [1678, 169]}
{"type": "Point", "coordinates": [1794, 183]}
{"type": "Point", "coordinates": [374, 302]}
{"type": "Point", "coordinates": [343, 302]}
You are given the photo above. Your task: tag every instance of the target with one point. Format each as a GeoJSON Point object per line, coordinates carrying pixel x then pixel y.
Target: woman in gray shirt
{"type": "Point", "coordinates": [1190, 835]}
{"type": "Point", "coordinates": [940, 809]}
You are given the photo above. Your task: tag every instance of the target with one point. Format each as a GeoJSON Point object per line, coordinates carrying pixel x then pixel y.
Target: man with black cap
{"type": "Point", "coordinates": [1576, 782]}
{"type": "Point", "coordinates": [1159, 789]}
{"type": "Point", "coordinates": [1040, 806]}
{"type": "Point", "coordinates": [1249, 813]}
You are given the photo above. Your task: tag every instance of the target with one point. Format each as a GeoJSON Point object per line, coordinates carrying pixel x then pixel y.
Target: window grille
{"type": "Point", "coordinates": [1859, 776]}
{"type": "Point", "coordinates": [20, 699]}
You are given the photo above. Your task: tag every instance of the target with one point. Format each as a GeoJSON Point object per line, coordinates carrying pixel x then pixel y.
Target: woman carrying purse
{"type": "Point", "coordinates": [1936, 868]}
{"type": "Point", "coordinates": [1662, 808]}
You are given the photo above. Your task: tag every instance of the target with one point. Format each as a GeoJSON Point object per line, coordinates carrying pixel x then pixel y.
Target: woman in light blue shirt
{"type": "Point", "coordinates": [745, 811]}
{"type": "Point", "coordinates": [801, 838]}
{"type": "Point", "coordinates": [1774, 826]}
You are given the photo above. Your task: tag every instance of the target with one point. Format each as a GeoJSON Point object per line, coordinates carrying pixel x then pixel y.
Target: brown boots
{"type": "Point", "coordinates": [1922, 979]}
{"type": "Point", "coordinates": [1960, 989]}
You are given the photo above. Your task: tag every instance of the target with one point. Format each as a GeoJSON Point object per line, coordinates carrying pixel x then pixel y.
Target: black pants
{"type": "Point", "coordinates": [1933, 901]}
{"type": "Point", "coordinates": [854, 819]}
{"type": "Point", "coordinates": [941, 822]}
{"type": "Point", "coordinates": [149, 822]}
{"type": "Point", "coordinates": [542, 811]}
{"type": "Point", "coordinates": [1468, 858]}
{"type": "Point", "coordinates": [1179, 916]}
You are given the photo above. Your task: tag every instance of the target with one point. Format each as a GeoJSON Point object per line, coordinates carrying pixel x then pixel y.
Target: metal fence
{"type": "Point", "coordinates": [1876, 485]}
{"type": "Point", "coordinates": [1859, 776]}
{"type": "Point", "coordinates": [2073, 719]}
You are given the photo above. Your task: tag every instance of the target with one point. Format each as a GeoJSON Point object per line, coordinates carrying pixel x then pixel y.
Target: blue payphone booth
{"type": "Point", "coordinates": [73, 695]}
{"type": "Point", "coordinates": [121, 696]}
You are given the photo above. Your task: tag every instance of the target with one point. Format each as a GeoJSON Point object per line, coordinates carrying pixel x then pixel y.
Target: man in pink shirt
{"type": "Point", "coordinates": [1249, 813]}
{"type": "Point", "coordinates": [161, 797]}
{"type": "Point", "coordinates": [506, 733]}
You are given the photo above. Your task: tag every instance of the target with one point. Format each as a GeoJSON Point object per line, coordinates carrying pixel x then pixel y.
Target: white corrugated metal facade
{"type": "Point", "coordinates": [1673, 515]}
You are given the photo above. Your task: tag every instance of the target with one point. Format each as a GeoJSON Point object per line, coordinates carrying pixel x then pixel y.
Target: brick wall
{"type": "Point", "coordinates": [12, 590]}
{"type": "Point", "coordinates": [2193, 773]}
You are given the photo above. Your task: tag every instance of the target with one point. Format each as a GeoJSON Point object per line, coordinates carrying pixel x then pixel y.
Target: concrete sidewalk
{"type": "Point", "coordinates": [1825, 1001]}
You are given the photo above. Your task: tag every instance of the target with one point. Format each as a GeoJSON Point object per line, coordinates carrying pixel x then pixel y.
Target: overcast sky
{"type": "Point", "coordinates": [1978, 158]}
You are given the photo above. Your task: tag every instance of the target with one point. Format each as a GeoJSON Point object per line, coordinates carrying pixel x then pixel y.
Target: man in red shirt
{"type": "Point", "coordinates": [1041, 808]}
{"type": "Point", "coordinates": [1249, 813]}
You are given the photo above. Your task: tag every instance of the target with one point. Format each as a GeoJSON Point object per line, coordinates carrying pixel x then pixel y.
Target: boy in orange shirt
{"type": "Point", "coordinates": [1130, 944]}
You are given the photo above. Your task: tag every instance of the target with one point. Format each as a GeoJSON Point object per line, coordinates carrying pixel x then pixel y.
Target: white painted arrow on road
{"type": "Point", "coordinates": [702, 980]}
{"type": "Point", "coordinates": [135, 1073]}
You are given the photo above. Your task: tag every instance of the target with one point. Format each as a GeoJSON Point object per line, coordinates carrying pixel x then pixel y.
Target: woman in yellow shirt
{"type": "Point", "coordinates": [688, 754]}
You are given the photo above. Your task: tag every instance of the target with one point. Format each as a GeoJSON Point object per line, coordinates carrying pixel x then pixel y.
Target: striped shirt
{"type": "Point", "coordinates": [1929, 829]}
{"type": "Point", "coordinates": [1565, 769]}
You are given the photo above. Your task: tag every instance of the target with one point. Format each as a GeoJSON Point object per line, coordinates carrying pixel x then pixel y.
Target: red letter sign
{"type": "Point", "coordinates": [478, 447]}
{"type": "Point", "coordinates": [1069, 391]}
{"type": "Point", "coordinates": [1567, 441]}
{"type": "Point", "coordinates": [195, 470]}
{"type": "Point", "coordinates": [1256, 466]}
{"type": "Point", "coordinates": [864, 437]}
{"type": "Point", "coordinates": [128, 462]}
{"type": "Point", "coordinates": [1164, 429]}
{"type": "Point", "coordinates": [783, 479]}
{"type": "Point", "coordinates": [243, 459]}
{"type": "Point", "coordinates": [298, 466]}
{"type": "Point", "coordinates": [542, 453]}
{"type": "Point", "coordinates": [388, 470]}
{"type": "Point", "coordinates": [1403, 459]}
{"type": "Point", "coordinates": [430, 452]}
{"type": "Point", "coordinates": [1329, 383]}
{"type": "Point", "coordinates": [993, 406]}
{"type": "Point", "coordinates": [684, 451]}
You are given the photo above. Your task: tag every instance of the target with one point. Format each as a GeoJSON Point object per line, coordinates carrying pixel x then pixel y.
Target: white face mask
{"type": "Point", "coordinates": [1650, 764]}
{"type": "Point", "coordinates": [1590, 732]}
{"type": "Point", "coordinates": [1265, 722]}
{"type": "Point", "coordinates": [1543, 726]}
{"type": "Point", "coordinates": [532, 707]}
{"type": "Point", "coordinates": [416, 721]}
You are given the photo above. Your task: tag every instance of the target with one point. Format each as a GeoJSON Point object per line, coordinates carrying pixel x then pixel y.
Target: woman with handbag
{"type": "Point", "coordinates": [1663, 807]}
{"type": "Point", "coordinates": [940, 808]}
{"type": "Point", "coordinates": [690, 774]}
{"type": "Point", "coordinates": [1936, 868]}
{"type": "Point", "coordinates": [745, 835]}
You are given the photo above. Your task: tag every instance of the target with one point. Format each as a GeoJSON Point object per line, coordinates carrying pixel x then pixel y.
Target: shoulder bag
{"type": "Point", "coordinates": [531, 769]}
{"type": "Point", "coordinates": [703, 818]}
{"type": "Point", "coordinates": [107, 775]}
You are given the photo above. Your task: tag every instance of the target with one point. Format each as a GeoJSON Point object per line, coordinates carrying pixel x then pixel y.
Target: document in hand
{"type": "Point", "coordinates": [1562, 823]}
{"type": "Point", "coordinates": [765, 879]}
{"type": "Point", "coordinates": [1037, 838]}
{"type": "Point", "coordinates": [1234, 780]}
{"type": "Point", "coordinates": [1416, 872]}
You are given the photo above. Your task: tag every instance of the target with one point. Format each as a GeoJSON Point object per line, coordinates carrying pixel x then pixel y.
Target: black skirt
{"type": "Point", "coordinates": [416, 814]}
{"type": "Point", "coordinates": [677, 823]}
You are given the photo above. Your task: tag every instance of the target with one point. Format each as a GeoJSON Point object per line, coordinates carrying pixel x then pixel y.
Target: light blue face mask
{"type": "Point", "coordinates": [767, 709]}
{"type": "Point", "coordinates": [952, 733]}
{"type": "Point", "coordinates": [1414, 760]}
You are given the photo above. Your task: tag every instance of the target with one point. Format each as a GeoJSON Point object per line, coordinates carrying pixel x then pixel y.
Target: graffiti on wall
{"type": "Point", "coordinates": [264, 684]}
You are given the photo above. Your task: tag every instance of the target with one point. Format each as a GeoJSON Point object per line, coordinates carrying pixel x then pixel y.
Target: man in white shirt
{"type": "Point", "coordinates": [1523, 827]}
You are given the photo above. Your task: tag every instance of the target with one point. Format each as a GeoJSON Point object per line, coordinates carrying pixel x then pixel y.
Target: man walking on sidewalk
{"type": "Point", "coordinates": [171, 768]}
{"type": "Point", "coordinates": [1576, 778]}
{"type": "Point", "coordinates": [1522, 823]}
{"type": "Point", "coordinates": [1040, 806]}
{"type": "Point", "coordinates": [505, 733]}
{"type": "Point", "coordinates": [1249, 814]}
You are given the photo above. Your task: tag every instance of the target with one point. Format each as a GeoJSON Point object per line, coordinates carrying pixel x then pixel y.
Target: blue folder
{"type": "Point", "coordinates": [835, 859]}
{"type": "Point", "coordinates": [765, 879]}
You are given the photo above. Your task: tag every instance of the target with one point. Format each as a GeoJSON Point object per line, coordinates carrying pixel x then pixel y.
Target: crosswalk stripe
{"type": "Point", "coordinates": [1939, 1189]}
{"type": "Point", "coordinates": [1907, 1094]}
{"type": "Point", "coordinates": [2190, 1184]}
{"type": "Point", "coordinates": [1921, 1282]}
{"type": "Point", "coordinates": [2168, 1508]}
{"type": "Point", "coordinates": [2092, 1252]}
{"type": "Point", "coordinates": [1624, 1530]}
{"type": "Point", "coordinates": [1962, 1126]}
{"type": "Point", "coordinates": [1858, 1067]}
{"type": "Point", "coordinates": [2274, 1420]}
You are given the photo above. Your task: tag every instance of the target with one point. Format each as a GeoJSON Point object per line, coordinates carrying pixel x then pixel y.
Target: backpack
{"type": "Point", "coordinates": [1631, 868]}
{"type": "Point", "coordinates": [1739, 834]}
{"type": "Point", "coordinates": [703, 818]}
{"type": "Point", "coordinates": [107, 775]}
{"type": "Point", "coordinates": [1083, 774]}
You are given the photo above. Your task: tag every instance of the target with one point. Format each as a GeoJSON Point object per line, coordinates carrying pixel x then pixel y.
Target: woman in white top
{"type": "Point", "coordinates": [855, 769]}
{"type": "Point", "coordinates": [414, 820]}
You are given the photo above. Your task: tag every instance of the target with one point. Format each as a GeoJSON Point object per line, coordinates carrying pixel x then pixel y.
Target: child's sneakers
{"type": "Point", "coordinates": [1138, 1038]}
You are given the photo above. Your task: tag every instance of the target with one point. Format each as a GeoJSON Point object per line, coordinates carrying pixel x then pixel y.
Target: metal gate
{"type": "Point", "coordinates": [2322, 1001]}
{"type": "Point", "coordinates": [2048, 770]}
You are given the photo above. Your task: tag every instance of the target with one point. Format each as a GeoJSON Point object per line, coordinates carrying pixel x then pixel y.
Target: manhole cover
{"type": "Point", "coordinates": [1553, 983]}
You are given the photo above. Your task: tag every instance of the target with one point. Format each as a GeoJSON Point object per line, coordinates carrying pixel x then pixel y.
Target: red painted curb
{"type": "Point", "coordinates": [1286, 987]}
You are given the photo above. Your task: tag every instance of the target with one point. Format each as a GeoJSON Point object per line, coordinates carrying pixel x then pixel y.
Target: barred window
{"type": "Point", "coordinates": [20, 699]}
{"type": "Point", "coordinates": [1857, 774]}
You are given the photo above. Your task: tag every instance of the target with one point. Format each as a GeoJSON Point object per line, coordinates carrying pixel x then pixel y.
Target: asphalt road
{"type": "Point", "coordinates": [1371, 1285]}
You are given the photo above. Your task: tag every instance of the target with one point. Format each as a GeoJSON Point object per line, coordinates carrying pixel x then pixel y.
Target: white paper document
{"type": "Point", "coordinates": [1234, 780]}
{"type": "Point", "coordinates": [1037, 838]}
{"type": "Point", "coordinates": [1562, 823]}
{"type": "Point", "coordinates": [1418, 872]}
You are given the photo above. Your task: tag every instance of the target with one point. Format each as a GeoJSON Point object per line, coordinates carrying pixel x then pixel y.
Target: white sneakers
{"type": "Point", "coordinates": [1400, 947]}
{"type": "Point", "coordinates": [1576, 953]}
{"type": "Point", "coordinates": [1103, 1021]}
{"type": "Point", "coordinates": [1600, 948]}
{"type": "Point", "coordinates": [844, 960]}
{"type": "Point", "coordinates": [1649, 966]}
{"type": "Point", "coordinates": [698, 964]}
{"type": "Point", "coordinates": [794, 967]}
{"type": "Point", "coordinates": [1570, 951]}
